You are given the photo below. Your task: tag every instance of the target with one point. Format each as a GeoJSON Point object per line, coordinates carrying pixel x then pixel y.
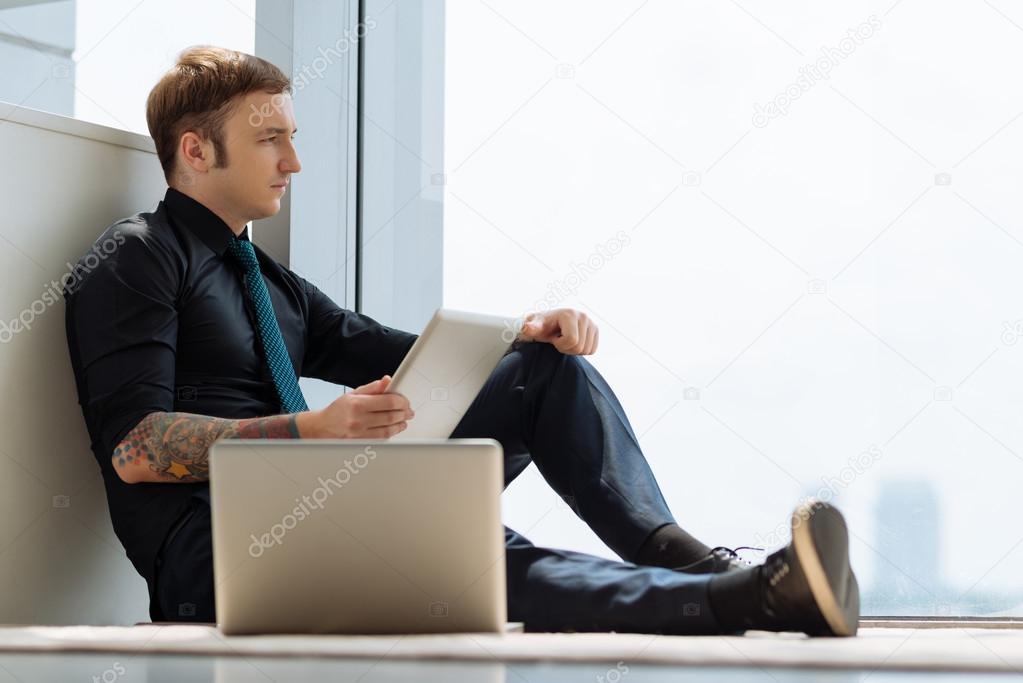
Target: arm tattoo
{"type": "Point", "coordinates": [175, 446]}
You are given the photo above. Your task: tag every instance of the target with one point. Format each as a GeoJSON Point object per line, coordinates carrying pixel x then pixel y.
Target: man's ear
{"type": "Point", "coordinates": [195, 154]}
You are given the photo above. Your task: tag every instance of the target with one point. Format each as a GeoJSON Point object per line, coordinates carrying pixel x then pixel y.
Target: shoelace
{"type": "Point", "coordinates": [733, 552]}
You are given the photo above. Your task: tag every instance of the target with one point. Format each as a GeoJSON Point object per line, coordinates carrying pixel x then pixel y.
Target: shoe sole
{"type": "Point", "coordinates": [815, 524]}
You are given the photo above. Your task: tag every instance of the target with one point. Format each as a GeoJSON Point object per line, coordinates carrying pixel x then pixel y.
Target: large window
{"type": "Point", "coordinates": [96, 60]}
{"type": "Point", "coordinates": [797, 226]}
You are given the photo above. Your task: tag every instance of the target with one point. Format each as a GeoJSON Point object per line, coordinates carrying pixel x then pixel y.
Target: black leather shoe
{"type": "Point", "coordinates": [809, 585]}
{"type": "Point", "coordinates": [718, 561]}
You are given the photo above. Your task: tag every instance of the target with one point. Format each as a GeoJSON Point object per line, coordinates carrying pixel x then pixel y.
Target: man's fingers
{"type": "Point", "coordinates": [569, 332]}
{"type": "Point", "coordinates": [375, 387]}
{"type": "Point", "coordinates": [532, 326]}
{"type": "Point", "coordinates": [386, 432]}
{"type": "Point", "coordinates": [591, 341]}
{"type": "Point", "coordinates": [385, 418]}
{"type": "Point", "coordinates": [376, 403]}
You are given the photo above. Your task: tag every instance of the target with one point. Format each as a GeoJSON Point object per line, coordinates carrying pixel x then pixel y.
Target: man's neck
{"type": "Point", "coordinates": [236, 224]}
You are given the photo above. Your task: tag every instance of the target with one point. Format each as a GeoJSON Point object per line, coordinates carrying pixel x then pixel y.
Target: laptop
{"type": "Point", "coordinates": [446, 368]}
{"type": "Point", "coordinates": [358, 536]}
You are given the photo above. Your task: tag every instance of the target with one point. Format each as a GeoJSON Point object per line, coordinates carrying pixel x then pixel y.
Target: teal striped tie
{"type": "Point", "coordinates": [277, 357]}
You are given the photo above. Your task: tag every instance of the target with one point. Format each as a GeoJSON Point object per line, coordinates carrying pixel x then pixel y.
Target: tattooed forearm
{"type": "Point", "coordinates": [168, 447]}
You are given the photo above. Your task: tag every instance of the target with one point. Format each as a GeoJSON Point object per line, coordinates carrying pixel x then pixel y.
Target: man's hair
{"type": "Point", "coordinates": [199, 93]}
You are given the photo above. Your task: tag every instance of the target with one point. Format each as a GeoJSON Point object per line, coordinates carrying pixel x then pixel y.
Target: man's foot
{"type": "Point", "coordinates": [806, 586]}
{"type": "Point", "coordinates": [717, 561]}
{"type": "Point", "coordinates": [809, 585]}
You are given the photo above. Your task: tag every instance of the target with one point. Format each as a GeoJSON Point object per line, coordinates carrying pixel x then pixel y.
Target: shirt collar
{"type": "Point", "coordinates": [206, 225]}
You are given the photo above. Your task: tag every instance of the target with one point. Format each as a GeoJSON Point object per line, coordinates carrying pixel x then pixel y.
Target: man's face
{"type": "Point", "coordinates": [261, 156]}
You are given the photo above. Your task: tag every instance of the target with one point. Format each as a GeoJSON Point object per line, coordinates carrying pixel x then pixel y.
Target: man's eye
{"type": "Point", "coordinates": [270, 139]}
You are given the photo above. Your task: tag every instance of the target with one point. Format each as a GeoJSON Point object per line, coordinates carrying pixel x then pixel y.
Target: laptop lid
{"type": "Point", "coordinates": [358, 536]}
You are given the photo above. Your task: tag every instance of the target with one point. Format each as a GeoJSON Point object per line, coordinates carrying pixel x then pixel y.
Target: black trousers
{"type": "Point", "coordinates": [558, 412]}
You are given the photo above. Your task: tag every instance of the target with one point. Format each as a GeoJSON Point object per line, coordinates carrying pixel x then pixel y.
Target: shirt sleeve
{"type": "Point", "coordinates": [349, 348]}
{"type": "Point", "coordinates": [122, 328]}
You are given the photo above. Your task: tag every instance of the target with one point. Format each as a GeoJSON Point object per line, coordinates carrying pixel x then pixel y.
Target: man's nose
{"type": "Point", "coordinates": [291, 164]}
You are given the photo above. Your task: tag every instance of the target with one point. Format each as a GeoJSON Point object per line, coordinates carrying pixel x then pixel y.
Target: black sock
{"type": "Point", "coordinates": [670, 546]}
{"type": "Point", "coordinates": [735, 599]}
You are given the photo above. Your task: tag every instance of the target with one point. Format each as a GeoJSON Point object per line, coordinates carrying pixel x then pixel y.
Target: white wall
{"type": "Point", "coordinates": [63, 182]}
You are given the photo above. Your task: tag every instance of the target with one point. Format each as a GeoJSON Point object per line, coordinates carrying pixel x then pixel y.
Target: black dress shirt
{"type": "Point", "coordinates": [157, 320]}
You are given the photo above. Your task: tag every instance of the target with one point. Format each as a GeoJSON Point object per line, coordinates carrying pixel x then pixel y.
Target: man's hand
{"type": "Point", "coordinates": [365, 413]}
{"type": "Point", "coordinates": [570, 331]}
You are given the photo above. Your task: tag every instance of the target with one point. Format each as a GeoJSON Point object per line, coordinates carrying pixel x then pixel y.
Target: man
{"type": "Point", "coordinates": [188, 334]}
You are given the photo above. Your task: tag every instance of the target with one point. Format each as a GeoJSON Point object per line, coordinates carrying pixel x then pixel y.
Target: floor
{"type": "Point", "coordinates": [885, 651]}
{"type": "Point", "coordinates": [109, 668]}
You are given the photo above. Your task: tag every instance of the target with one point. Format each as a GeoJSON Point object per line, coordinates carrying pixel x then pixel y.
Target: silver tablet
{"type": "Point", "coordinates": [446, 368]}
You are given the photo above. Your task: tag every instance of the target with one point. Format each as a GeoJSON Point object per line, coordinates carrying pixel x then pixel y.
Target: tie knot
{"type": "Point", "coordinates": [244, 253]}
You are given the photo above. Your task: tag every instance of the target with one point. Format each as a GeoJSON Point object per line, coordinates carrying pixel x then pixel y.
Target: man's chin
{"type": "Point", "coordinates": [269, 209]}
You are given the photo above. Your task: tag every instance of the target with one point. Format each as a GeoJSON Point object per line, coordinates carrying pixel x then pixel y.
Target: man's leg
{"type": "Point", "coordinates": [562, 590]}
{"type": "Point", "coordinates": [548, 589]}
{"type": "Point", "coordinates": [806, 586]}
{"type": "Point", "coordinates": [558, 411]}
